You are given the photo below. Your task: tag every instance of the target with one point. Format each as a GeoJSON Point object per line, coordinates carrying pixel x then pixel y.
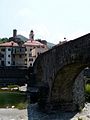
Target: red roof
{"type": "Point", "coordinates": [9, 44]}
{"type": "Point", "coordinates": [33, 43]}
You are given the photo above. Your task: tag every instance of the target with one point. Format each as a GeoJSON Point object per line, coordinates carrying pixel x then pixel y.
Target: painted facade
{"type": "Point", "coordinates": [33, 49]}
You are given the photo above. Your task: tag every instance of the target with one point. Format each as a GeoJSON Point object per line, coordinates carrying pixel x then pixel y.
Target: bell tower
{"type": "Point", "coordinates": [31, 35]}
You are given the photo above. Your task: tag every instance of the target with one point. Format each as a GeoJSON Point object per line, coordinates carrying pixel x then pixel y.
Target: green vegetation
{"type": "Point", "coordinates": [21, 105]}
{"type": "Point", "coordinates": [12, 86]}
{"type": "Point", "coordinates": [9, 99]}
{"type": "Point", "coordinates": [87, 88]}
{"type": "Point", "coordinates": [2, 40]}
{"type": "Point", "coordinates": [87, 92]}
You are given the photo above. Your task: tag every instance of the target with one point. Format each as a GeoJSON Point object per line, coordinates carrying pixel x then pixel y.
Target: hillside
{"type": "Point", "coordinates": [22, 38]}
{"type": "Point", "coordinates": [50, 45]}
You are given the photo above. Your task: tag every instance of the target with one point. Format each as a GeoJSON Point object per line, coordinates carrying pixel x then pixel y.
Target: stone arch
{"type": "Point", "coordinates": [68, 86]}
{"type": "Point", "coordinates": [60, 66]}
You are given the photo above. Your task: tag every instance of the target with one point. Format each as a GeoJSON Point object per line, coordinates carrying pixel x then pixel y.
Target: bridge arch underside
{"type": "Point", "coordinates": [68, 86]}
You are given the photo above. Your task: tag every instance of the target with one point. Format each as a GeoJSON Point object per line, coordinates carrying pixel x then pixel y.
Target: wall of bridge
{"type": "Point", "coordinates": [49, 65]}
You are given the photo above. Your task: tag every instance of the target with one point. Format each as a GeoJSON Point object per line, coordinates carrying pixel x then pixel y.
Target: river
{"type": "Point", "coordinates": [35, 114]}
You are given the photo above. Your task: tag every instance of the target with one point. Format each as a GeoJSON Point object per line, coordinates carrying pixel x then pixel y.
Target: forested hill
{"type": "Point", "coordinates": [2, 40]}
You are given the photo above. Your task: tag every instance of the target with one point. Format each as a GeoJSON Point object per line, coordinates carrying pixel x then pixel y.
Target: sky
{"type": "Point", "coordinates": [51, 20]}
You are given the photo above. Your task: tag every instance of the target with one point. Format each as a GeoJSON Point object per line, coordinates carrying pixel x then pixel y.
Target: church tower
{"type": "Point", "coordinates": [31, 35]}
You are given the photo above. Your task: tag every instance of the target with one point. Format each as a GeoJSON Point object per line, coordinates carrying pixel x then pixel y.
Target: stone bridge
{"type": "Point", "coordinates": [59, 75]}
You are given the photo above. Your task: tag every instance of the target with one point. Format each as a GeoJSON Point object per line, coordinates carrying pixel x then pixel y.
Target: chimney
{"type": "Point", "coordinates": [14, 33]}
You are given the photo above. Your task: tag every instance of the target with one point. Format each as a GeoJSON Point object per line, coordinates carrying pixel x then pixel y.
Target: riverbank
{"type": "Point", "coordinates": [16, 99]}
{"type": "Point", "coordinates": [32, 114]}
{"type": "Point", "coordinates": [84, 114]}
{"type": "Point", "coordinates": [13, 114]}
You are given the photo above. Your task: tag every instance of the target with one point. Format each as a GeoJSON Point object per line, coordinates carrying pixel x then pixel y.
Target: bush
{"type": "Point", "coordinates": [87, 92]}
{"type": "Point", "coordinates": [21, 106]}
{"type": "Point", "coordinates": [87, 88]}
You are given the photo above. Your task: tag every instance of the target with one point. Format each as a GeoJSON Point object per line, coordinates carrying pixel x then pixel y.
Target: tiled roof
{"type": "Point", "coordinates": [33, 43]}
{"type": "Point", "coordinates": [9, 44]}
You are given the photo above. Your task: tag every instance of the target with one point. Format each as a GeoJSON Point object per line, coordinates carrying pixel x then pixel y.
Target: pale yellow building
{"type": "Point", "coordinates": [33, 49]}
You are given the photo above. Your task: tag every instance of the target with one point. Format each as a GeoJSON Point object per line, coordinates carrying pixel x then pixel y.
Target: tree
{"type": "Point", "coordinates": [2, 40]}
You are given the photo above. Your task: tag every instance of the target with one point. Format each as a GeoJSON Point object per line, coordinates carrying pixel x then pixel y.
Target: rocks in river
{"type": "Point", "coordinates": [13, 106]}
{"type": "Point", "coordinates": [88, 116]}
{"type": "Point", "coordinates": [82, 117]}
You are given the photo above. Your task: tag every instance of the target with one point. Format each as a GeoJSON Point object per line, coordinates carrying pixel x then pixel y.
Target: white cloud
{"type": "Point", "coordinates": [69, 36]}
{"type": "Point", "coordinates": [59, 37]}
{"type": "Point", "coordinates": [75, 35]}
{"type": "Point", "coordinates": [25, 12]}
{"type": "Point", "coordinates": [41, 31]}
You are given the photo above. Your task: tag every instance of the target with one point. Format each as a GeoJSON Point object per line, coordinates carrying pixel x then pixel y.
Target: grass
{"type": "Point", "coordinates": [21, 105]}
{"type": "Point", "coordinates": [8, 99]}
{"type": "Point", "coordinates": [13, 86]}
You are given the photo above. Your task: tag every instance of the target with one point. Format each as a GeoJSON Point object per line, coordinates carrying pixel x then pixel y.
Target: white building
{"type": "Point", "coordinates": [11, 54]}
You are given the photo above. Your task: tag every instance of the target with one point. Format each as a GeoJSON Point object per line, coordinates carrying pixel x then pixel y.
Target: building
{"type": "Point", "coordinates": [18, 53]}
{"type": "Point", "coordinates": [11, 54]}
{"type": "Point", "coordinates": [16, 39]}
{"type": "Point", "coordinates": [33, 49]}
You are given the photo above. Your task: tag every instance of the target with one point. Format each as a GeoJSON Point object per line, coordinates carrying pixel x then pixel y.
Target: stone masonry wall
{"type": "Point", "coordinates": [49, 63]}
{"type": "Point", "coordinates": [79, 91]}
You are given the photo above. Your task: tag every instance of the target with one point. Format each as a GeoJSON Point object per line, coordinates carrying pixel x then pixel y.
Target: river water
{"type": "Point", "coordinates": [35, 114]}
